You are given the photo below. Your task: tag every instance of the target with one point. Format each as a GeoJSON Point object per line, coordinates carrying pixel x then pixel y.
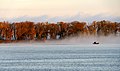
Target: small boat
{"type": "Point", "coordinates": [96, 43]}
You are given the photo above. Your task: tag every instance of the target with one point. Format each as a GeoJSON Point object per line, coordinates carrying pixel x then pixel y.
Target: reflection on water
{"type": "Point", "coordinates": [59, 58]}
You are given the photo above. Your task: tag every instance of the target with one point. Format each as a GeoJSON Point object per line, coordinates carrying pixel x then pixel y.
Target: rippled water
{"type": "Point", "coordinates": [59, 57]}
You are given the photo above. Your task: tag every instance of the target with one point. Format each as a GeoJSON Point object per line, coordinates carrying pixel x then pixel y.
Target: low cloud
{"type": "Point", "coordinates": [77, 17]}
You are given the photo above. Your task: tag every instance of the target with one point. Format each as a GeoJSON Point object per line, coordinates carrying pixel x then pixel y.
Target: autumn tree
{"type": "Point", "coordinates": [25, 30]}
{"type": "Point", "coordinates": [40, 31]}
{"type": "Point", "coordinates": [5, 31]}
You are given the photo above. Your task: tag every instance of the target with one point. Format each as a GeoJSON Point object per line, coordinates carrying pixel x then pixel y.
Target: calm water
{"type": "Point", "coordinates": [22, 57]}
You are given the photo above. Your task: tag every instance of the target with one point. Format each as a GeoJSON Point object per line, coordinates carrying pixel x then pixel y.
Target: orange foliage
{"type": "Point", "coordinates": [30, 31]}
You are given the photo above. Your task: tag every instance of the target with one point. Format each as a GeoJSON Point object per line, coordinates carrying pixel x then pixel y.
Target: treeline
{"type": "Point", "coordinates": [46, 31]}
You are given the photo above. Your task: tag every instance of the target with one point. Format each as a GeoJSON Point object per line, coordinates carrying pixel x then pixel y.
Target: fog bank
{"type": "Point", "coordinates": [111, 39]}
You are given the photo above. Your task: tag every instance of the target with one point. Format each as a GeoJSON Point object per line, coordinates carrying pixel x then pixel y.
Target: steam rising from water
{"type": "Point", "coordinates": [78, 40]}
{"type": "Point", "coordinates": [88, 40]}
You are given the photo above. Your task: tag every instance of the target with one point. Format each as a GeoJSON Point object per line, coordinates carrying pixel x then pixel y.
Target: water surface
{"type": "Point", "coordinates": [29, 57]}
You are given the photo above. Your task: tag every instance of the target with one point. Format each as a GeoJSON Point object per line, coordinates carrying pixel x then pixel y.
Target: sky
{"type": "Point", "coordinates": [53, 8]}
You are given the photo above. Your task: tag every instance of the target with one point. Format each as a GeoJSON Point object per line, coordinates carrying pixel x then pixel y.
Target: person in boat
{"type": "Point", "coordinates": [96, 43]}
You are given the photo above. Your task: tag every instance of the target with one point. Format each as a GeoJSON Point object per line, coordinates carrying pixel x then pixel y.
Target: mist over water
{"type": "Point", "coordinates": [69, 54]}
{"type": "Point", "coordinates": [111, 39]}
{"type": "Point", "coordinates": [37, 57]}
{"type": "Point", "coordinates": [76, 40]}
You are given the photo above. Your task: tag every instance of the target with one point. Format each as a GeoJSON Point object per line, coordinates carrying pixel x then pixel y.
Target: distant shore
{"type": "Point", "coordinates": [40, 32]}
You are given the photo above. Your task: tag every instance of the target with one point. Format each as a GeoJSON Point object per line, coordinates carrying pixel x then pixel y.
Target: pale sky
{"type": "Point", "coordinates": [16, 8]}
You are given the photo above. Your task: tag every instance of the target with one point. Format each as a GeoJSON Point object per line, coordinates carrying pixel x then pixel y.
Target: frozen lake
{"type": "Point", "coordinates": [36, 57]}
